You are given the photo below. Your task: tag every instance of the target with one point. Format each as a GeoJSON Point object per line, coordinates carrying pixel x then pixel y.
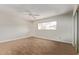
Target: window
{"type": "Point", "coordinates": [47, 25]}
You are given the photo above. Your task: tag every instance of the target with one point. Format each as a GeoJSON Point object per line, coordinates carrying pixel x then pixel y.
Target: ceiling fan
{"type": "Point", "coordinates": [29, 13]}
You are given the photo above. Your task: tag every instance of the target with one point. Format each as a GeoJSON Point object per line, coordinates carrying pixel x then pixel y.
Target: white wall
{"type": "Point", "coordinates": [13, 26]}
{"type": "Point", "coordinates": [63, 32]}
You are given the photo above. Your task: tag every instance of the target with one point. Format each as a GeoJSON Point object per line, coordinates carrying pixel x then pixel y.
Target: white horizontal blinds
{"type": "Point", "coordinates": [47, 25]}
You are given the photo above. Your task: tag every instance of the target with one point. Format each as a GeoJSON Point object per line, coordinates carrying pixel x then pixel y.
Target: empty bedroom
{"type": "Point", "coordinates": [39, 29]}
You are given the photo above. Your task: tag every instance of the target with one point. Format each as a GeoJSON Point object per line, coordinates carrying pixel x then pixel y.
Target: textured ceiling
{"type": "Point", "coordinates": [37, 11]}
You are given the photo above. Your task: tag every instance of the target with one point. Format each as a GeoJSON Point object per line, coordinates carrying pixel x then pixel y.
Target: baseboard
{"type": "Point", "coordinates": [51, 39]}
{"type": "Point", "coordinates": [15, 38]}
{"type": "Point", "coordinates": [26, 36]}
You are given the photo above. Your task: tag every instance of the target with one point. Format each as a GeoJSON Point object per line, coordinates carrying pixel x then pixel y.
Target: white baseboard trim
{"type": "Point", "coordinates": [16, 38]}
{"type": "Point", "coordinates": [26, 36]}
{"type": "Point", "coordinates": [51, 39]}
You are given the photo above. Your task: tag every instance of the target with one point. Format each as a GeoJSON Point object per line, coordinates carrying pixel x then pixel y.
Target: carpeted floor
{"type": "Point", "coordinates": [35, 46]}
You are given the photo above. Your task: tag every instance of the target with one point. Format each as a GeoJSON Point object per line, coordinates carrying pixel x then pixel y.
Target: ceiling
{"type": "Point", "coordinates": [37, 11]}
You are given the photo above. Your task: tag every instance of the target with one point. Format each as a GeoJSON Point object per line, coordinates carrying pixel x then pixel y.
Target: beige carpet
{"type": "Point", "coordinates": [35, 46]}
